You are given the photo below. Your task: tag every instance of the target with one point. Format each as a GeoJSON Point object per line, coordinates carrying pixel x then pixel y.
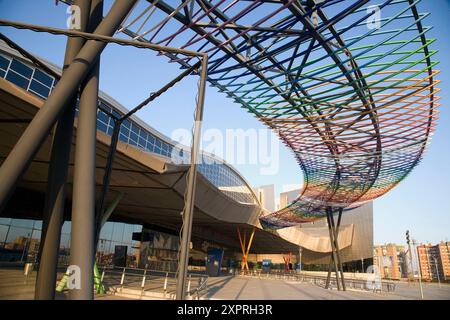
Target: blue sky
{"type": "Point", "coordinates": [421, 203]}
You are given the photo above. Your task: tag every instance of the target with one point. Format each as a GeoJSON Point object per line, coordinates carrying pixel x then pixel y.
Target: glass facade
{"type": "Point", "coordinates": [20, 240]}
{"type": "Point", "coordinates": [34, 80]}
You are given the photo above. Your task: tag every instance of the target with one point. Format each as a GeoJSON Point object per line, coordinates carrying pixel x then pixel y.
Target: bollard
{"type": "Point", "coordinates": [122, 279]}
{"type": "Point", "coordinates": [103, 275]}
{"type": "Point", "coordinates": [189, 286]}
{"type": "Point", "coordinates": [165, 283]}
{"type": "Point", "coordinates": [143, 283]}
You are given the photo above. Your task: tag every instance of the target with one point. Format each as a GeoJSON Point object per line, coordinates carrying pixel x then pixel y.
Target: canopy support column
{"type": "Point", "coordinates": [245, 248]}
{"type": "Point", "coordinates": [335, 259]}
{"type": "Point", "coordinates": [82, 251]}
{"type": "Point", "coordinates": [188, 212]}
{"type": "Point", "coordinates": [53, 216]}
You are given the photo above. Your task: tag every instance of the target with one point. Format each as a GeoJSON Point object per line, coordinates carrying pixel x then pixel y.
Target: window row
{"type": "Point", "coordinates": [41, 84]}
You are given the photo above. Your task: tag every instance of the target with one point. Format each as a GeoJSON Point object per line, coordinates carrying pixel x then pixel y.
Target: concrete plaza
{"type": "Point", "coordinates": [242, 288]}
{"type": "Point", "coordinates": [14, 285]}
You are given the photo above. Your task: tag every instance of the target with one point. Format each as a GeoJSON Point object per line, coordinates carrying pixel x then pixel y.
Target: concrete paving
{"type": "Point", "coordinates": [14, 285]}
{"type": "Point", "coordinates": [242, 288]}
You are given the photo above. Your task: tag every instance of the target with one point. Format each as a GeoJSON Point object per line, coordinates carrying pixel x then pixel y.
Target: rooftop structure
{"type": "Point", "coordinates": [349, 86]}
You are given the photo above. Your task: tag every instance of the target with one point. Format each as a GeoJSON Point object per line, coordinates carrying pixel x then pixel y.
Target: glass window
{"type": "Point", "coordinates": [141, 141]}
{"type": "Point", "coordinates": [135, 129]}
{"type": "Point", "coordinates": [103, 117]}
{"type": "Point", "coordinates": [143, 134]}
{"type": "Point", "coordinates": [66, 227]}
{"type": "Point", "coordinates": [128, 233]}
{"type": "Point", "coordinates": [39, 89]}
{"type": "Point", "coordinates": [17, 79]}
{"type": "Point", "coordinates": [2, 73]}
{"type": "Point", "coordinates": [116, 113]}
{"type": "Point", "coordinates": [22, 223]}
{"type": "Point", "coordinates": [101, 126]}
{"type": "Point", "coordinates": [149, 146]}
{"type": "Point", "coordinates": [104, 246]}
{"type": "Point", "coordinates": [133, 136]}
{"type": "Point", "coordinates": [3, 233]}
{"type": "Point", "coordinates": [124, 131]}
{"type": "Point", "coordinates": [107, 230]}
{"type": "Point", "coordinates": [38, 225]}
{"type": "Point", "coordinates": [36, 234]}
{"type": "Point", "coordinates": [126, 124]}
{"type": "Point", "coordinates": [110, 130]}
{"type": "Point", "coordinates": [43, 77]}
{"type": "Point", "coordinates": [65, 240]}
{"type": "Point", "coordinates": [118, 229]}
{"type": "Point", "coordinates": [104, 106]}
{"type": "Point", "coordinates": [21, 68]}
{"type": "Point", "coordinates": [123, 138]}
{"type": "Point", "coordinates": [18, 237]}
{"type": "Point", "coordinates": [4, 63]}
{"type": "Point", "coordinates": [114, 244]}
{"type": "Point", "coordinates": [6, 221]}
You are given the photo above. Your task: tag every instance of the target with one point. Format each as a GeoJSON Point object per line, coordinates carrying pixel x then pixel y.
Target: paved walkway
{"type": "Point", "coordinates": [242, 288]}
{"type": "Point", "coordinates": [14, 285]}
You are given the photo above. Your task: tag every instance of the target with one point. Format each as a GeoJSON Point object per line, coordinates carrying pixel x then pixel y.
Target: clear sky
{"type": "Point", "coordinates": [420, 203]}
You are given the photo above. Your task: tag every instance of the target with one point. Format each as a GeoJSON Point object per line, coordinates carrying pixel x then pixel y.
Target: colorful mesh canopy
{"type": "Point", "coordinates": [349, 86]}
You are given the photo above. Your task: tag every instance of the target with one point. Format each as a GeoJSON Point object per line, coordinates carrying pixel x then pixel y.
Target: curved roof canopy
{"type": "Point", "coordinates": [349, 86]}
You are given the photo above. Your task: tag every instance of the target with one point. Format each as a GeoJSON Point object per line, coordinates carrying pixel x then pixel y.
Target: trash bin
{"type": "Point", "coordinates": [28, 268]}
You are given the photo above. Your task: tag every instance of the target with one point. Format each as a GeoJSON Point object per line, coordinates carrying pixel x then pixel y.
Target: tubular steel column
{"type": "Point", "coordinates": [57, 178]}
{"type": "Point", "coordinates": [330, 267]}
{"type": "Point", "coordinates": [191, 184]}
{"type": "Point", "coordinates": [82, 251]}
{"type": "Point", "coordinates": [245, 248]}
{"type": "Point", "coordinates": [300, 249]}
{"type": "Point", "coordinates": [29, 143]}
{"type": "Point", "coordinates": [333, 249]}
{"type": "Point", "coordinates": [107, 177]}
{"type": "Point", "coordinates": [335, 230]}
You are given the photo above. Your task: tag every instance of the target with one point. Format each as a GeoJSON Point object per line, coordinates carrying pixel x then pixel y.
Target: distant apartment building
{"type": "Point", "coordinates": [266, 196]}
{"type": "Point", "coordinates": [444, 251]}
{"type": "Point", "coordinates": [391, 260]}
{"type": "Point", "coordinates": [434, 261]}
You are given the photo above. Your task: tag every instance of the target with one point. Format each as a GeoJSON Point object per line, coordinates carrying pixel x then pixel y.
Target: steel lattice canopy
{"type": "Point", "coordinates": [349, 86]}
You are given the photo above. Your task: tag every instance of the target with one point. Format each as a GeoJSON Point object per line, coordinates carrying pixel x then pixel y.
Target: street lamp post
{"type": "Point", "coordinates": [418, 263]}
{"type": "Point", "coordinates": [410, 265]}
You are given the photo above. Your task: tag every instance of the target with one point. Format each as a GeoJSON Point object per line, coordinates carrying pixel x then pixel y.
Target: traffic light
{"type": "Point", "coordinates": [407, 236]}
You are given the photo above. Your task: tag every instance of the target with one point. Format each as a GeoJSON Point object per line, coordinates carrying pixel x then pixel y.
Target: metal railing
{"type": "Point", "coordinates": [138, 282]}
{"type": "Point", "coordinates": [320, 280]}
